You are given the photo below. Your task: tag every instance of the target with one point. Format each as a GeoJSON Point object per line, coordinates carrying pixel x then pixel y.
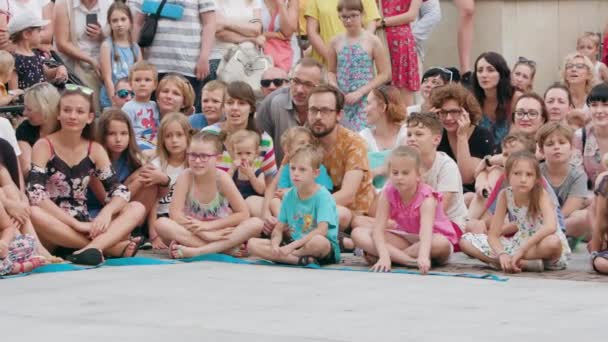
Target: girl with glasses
{"type": "Point", "coordinates": [207, 214]}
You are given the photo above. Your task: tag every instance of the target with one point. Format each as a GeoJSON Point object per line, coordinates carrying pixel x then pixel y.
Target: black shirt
{"type": "Point", "coordinates": [28, 133]}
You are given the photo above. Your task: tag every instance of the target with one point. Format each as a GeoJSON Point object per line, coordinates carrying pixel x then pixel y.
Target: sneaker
{"type": "Point", "coordinates": [557, 265]}
{"type": "Point", "coordinates": [535, 265]}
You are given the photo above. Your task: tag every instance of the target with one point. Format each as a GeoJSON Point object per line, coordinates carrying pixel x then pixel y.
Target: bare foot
{"type": "Point", "coordinates": [238, 251]}
{"type": "Point", "coordinates": [177, 251]}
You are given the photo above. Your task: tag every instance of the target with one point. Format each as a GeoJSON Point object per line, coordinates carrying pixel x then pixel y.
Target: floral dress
{"type": "Point", "coordinates": [526, 229]}
{"type": "Point", "coordinates": [20, 250]}
{"type": "Point", "coordinates": [67, 186]}
{"type": "Point", "coordinates": [355, 68]}
{"type": "Point", "coordinates": [402, 47]}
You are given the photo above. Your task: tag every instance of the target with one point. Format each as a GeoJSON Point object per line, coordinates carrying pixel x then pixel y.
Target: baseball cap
{"type": "Point", "coordinates": [25, 21]}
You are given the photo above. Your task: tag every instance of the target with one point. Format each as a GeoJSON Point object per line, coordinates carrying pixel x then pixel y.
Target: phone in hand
{"type": "Point", "coordinates": [92, 19]}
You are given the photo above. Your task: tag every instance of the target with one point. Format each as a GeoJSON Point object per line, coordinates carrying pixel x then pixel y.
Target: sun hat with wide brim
{"type": "Point", "coordinates": [25, 21]}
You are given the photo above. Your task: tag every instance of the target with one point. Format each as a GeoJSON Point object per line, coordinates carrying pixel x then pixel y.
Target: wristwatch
{"type": "Point", "coordinates": [383, 23]}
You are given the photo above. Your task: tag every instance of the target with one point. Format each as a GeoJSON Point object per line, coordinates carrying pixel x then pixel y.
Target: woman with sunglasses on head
{"type": "Point", "coordinates": [462, 139]}
{"type": "Point", "coordinates": [491, 85]}
{"type": "Point", "coordinates": [522, 77]}
{"type": "Point", "coordinates": [62, 165]}
{"type": "Point", "coordinates": [386, 130]}
{"type": "Point", "coordinates": [40, 110]}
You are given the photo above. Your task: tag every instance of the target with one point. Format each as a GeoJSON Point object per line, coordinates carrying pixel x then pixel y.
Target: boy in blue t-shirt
{"type": "Point", "coordinates": [307, 228]}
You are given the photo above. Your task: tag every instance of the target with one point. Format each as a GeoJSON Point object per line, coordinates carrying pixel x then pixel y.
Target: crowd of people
{"type": "Point", "coordinates": [345, 143]}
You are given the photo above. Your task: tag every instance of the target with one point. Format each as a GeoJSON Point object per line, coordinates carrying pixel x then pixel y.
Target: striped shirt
{"type": "Point", "coordinates": [177, 43]}
{"type": "Point", "coordinates": [265, 162]}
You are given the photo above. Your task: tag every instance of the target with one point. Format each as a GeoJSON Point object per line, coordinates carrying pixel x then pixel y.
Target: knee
{"type": "Point", "coordinates": [600, 265]}
{"type": "Point", "coordinates": [345, 217]}
{"type": "Point", "coordinates": [475, 227]}
{"type": "Point", "coordinates": [360, 234]}
{"type": "Point", "coordinates": [319, 242]}
{"type": "Point", "coordinates": [553, 245]}
{"type": "Point", "coordinates": [467, 11]}
{"type": "Point", "coordinates": [135, 209]}
{"type": "Point", "coordinates": [162, 225]}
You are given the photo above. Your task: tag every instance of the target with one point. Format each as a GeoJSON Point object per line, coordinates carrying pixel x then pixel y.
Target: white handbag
{"type": "Point", "coordinates": [244, 62]}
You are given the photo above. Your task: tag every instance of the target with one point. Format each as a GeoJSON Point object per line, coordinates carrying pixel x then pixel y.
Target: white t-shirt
{"type": "Point", "coordinates": [173, 172]}
{"type": "Point", "coordinates": [368, 135]}
{"type": "Point", "coordinates": [8, 133]}
{"type": "Point", "coordinates": [237, 11]}
{"type": "Point", "coordinates": [445, 177]}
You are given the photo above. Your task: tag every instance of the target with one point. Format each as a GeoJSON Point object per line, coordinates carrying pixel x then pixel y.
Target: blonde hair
{"type": "Point", "coordinates": [184, 87]}
{"type": "Point", "coordinates": [143, 66]}
{"type": "Point", "coordinates": [290, 135]}
{"type": "Point", "coordinates": [161, 150]}
{"type": "Point", "coordinates": [215, 85]}
{"type": "Point", "coordinates": [44, 98]}
{"type": "Point", "coordinates": [588, 64]}
{"type": "Point", "coordinates": [241, 136]}
{"type": "Point", "coordinates": [209, 137]}
{"type": "Point", "coordinates": [312, 153]}
{"type": "Point", "coordinates": [7, 63]}
{"type": "Point", "coordinates": [592, 36]}
{"type": "Point", "coordinates": [406, 152]}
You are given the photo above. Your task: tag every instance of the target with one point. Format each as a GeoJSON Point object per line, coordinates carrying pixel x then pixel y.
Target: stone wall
{"type": "Point", "coordinates": [542, 30]}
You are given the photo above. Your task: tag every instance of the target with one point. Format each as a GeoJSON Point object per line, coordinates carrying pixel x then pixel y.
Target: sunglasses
{"type": "Point", "coordinates": [443, 70]}
{"type": "Point", "coordinates": [276, 81]}
{"type": "Point", "coordinates": [76, 87]}
{"type": "Point", "coordinates": [124, 93]}
{"type": "Point", "coordinates": [524, 60]}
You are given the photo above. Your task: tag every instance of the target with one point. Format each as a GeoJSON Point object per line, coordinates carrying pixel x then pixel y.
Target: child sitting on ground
{"type": "Point", "coordinates": [244, 147]}
{"type": "Point", "coordinates": [418, 231]}
{"type": "Point", "coordinates": [307, 231]}
{"type": "Point", "coordinates": [538, 243]}
{"type": "Point", "coordinates": [142, 111]}
{"type": "Point", "coordinates": [569, 182]}
{"type": "Point", "coordinates": [598, 246]}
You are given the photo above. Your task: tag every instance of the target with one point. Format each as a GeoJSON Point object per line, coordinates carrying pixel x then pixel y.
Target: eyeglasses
{"type": "Point", "coordinates": [578, 66]}
{"type": "Point", "coordinates": [349, 17]}
{"type": "Point", "coordinates": [524, 60]}
{"type": "Point", "coordinates": [454, 113]}
{"type": "Point", "coordinates": [323, 111]}
{"type": "Point", "coordinates": [76, 87]}
{"type": "Point", "coordinates": [276, 81]}
{"type": "Point", "coordinates": [202, 156]}
{"type": "Point", "coordinates": [124, 93]}
{"type": "Point", "coordinates": [531, 114]}
{"type": "Point", "coordinates": [306, 84]}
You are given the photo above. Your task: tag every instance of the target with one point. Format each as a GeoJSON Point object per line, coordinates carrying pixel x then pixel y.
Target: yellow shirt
{"type": "Point", "coordinates": [302, 17]}
{"type": "Point", "coordinates": [330, 25]}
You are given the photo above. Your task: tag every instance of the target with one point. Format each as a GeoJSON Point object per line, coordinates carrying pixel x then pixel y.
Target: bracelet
{"type": "Point", "coordinates": [383, 23]}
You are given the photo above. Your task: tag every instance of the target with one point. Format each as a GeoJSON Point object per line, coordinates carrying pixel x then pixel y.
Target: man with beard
{"type": "Point", "coordinates": [287, 107]}
{"type": "Point", "coordinates": [345, 156]}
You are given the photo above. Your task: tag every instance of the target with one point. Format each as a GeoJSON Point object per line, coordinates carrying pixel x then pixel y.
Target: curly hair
{"type": "Point", "coordinates": [461, 95]}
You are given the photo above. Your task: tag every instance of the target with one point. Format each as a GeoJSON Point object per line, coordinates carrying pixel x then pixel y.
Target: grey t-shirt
{"type": "Point", "coordinates": [574, 185]}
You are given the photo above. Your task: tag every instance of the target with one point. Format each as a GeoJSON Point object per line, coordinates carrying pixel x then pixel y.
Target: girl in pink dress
{"type": "Point", "coordinates": [411, 228]}
{"type": "Point", "coordinates": [396, 18]}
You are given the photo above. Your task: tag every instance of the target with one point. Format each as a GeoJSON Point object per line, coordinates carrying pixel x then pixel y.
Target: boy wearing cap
{"type": "Point", "coordinates": [24, 32]}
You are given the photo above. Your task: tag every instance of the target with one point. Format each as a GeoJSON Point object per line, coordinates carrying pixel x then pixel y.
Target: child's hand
{"type": "Point", "coordinates": [269, 223]}
{"type": "Point", "coordinates": [100, 224]}
{"type": "Point", "coordinates": [279, 193]}
{"type": "Point", "coordinates": [352, 98]}
{"type": "Point", "coordinates": [61, 75]}
{"type": "Point", "coordinates": [19, 211]}
{"type": "Point", "coordinates": [505, 262]}
{"type": "Point", "coordinates": [3, 249]}
{"type": "Point", "coordinates": [247, 169]}
{"type": "Point", "coordinates": [150, 175]}
{"type": "Point", "coordinates": [382, 265]}
{"type": "Point", "coordinates": [516, 261]}
{"type": "Point", "coordinates": [158, 243]}
{"type": "Point", "coordinates": [424, 265]}
{"type": "Point", "coordinates": [260, 40]}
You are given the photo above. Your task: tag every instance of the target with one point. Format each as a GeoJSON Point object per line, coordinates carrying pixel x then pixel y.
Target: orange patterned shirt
{"type": "Point", "coordinates": [350, 154]}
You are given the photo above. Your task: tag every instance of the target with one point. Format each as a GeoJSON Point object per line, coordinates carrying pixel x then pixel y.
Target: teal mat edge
{"type": "Point", "coordinates": [147, 261]}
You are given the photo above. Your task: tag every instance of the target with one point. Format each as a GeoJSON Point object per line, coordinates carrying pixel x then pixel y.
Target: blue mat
{"type": "Point", "coordinates": [145, 261]}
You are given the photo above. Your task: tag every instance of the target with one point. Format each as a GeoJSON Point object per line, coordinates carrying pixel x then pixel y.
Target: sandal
{"type": "Point", "coordinates": [601, 254]}
{"type": "Point", "coordinates": [306, 260]}
{"type": "Point", "coordinates": [139, 241]}
{"type": "Point", "coordinates": [89, 257]}
{"type": "Point", "coordinates": [341, 237]}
